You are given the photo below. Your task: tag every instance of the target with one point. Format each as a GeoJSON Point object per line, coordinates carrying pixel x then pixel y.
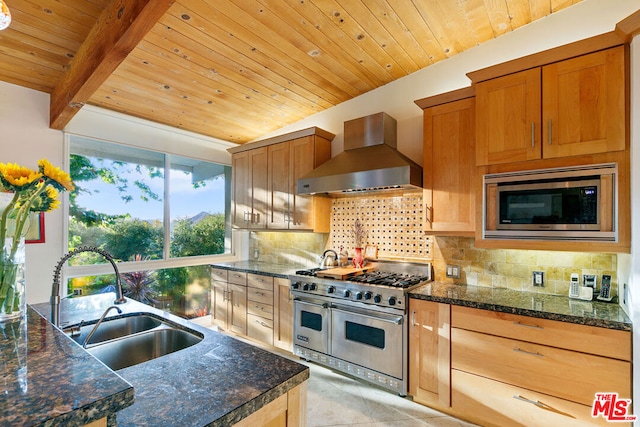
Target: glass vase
{"type": "Point", "coordinates": [358, 259]}
{"type": "Point", "coordinates": [13, 302]}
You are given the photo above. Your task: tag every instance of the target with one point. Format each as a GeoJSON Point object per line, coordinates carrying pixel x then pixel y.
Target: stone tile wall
{"type": "Point", "coordinates": [395, 226]}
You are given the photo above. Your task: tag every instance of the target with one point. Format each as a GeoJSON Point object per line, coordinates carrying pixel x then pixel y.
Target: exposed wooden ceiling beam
{"type": "Point", "coordinates": [119, 29]}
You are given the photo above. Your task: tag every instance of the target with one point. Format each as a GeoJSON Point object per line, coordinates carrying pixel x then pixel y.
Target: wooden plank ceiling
{"type": "Point", "coordinates": [237, 69]}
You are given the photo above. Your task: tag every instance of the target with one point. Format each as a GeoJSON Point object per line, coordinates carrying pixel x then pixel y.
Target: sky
{"type": "Point", "coordinates": [185, 200]}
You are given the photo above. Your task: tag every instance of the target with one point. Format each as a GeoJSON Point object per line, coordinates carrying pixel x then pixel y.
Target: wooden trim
{"type": "Point", "coordinates": [119, 29]}
{"type": "Point", "coordinates": [283, 138]}
{"type": "Point", "coordinates": [629, 27]}
{"type": "Point", "coordinates": [571, 50]}
{"type": "Point", "coordinates": [444, 98]}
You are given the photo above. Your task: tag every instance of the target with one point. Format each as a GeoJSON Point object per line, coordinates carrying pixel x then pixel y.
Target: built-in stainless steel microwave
{"type": "Point", "coordinates": [576, 203]}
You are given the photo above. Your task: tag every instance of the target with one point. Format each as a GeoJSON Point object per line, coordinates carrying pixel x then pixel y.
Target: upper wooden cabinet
{"type": "Point", "coordinates": [449, 163]}
{"type": "Point", "coordinates": [249, 181]}
{"type": "Point", "coordinates": [567, 108]}
{"type": "Point", "coordinates": [287, 162]}
{"type": "Point", "coordinates": [264, 182]}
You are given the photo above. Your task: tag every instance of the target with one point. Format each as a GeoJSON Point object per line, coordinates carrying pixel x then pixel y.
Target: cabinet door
{"type": "Point", "coordinates": [219, 303]}
{"type": "Point", "coordinates": [283, 315]}
{"type": "Point", "coordinates": [508, 111]}
{"type": "Point", "coordinates": [238, 309]}
{"type": "Point", "coordinates": [429, 352]}
{"type": "Point", "coordinates": [279, 190]}
{"type": "Point", "coordinates": [250, 188]}
{"type": "Point", "coordinates": [449, 167]}
{"type": "Point", "coordinates": [242, 191]}
{"type": "Point", "coordinates": [584, 104]}
{"type": "Point", "coordinates": [303, 161]}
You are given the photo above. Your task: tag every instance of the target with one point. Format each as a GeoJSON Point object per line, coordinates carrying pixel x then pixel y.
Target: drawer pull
{"type": "Point", "coordinates": [261, 323]}
{"type": "Point", "coordinates": [519, 350]}
{"type": "Point", "coordinates": [260, 293]}
{"type": "Point", "coordinates": [258, 307]}
{"type": "Point", "coordinates": [542, 405]}
{"type": "Point", "coordinates": [527, 325]}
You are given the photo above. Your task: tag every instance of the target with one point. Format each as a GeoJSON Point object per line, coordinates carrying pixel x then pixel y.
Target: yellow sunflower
{"type": "Point", "coordinates": [14, 177]}
{"type": "Point", "coordinates": [46, 201]}
{"type": "Point", "coordinates": [60, 178]}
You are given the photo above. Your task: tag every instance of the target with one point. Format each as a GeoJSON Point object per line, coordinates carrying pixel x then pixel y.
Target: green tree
{"type": "Point", "coordinates": [129, 237]}
{"type": "Point", "coordinates": [202, 237]}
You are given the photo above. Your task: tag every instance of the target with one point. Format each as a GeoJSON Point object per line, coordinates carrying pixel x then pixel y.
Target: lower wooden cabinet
{"type": "Point", "coordinates": [512, 370]}
{"type": "Point", "coordinates": [288, 410]}
{"type": "Point", "coordinates": [260, 308]}
{"type": "Point", "coordinates": [282, 314]}
{"type": "Point", "coordinates": [429, 352]}
{"type": "Point", "coordinates": [494, 403]}
{"type": "Point", "coordinates": [229, 300]}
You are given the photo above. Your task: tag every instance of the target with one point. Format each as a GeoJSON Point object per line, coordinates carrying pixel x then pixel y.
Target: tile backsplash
{"type": "Point", "coordinates": [394, 224]}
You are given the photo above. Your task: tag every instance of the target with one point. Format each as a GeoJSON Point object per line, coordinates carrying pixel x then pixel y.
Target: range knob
{"type": "Point", "coordinates": [295, 285]}
{"type": "Point", "coordinates": [377, 298]}
{"type": "Point", "coordinates": [346, 293]}
{"type": "Point", "coordinates": [368, 295]}
{"type": "Point", "coordinates": [392, 300]}
{"type": "Point", "coordinates": [305, 287]}
{"type": "Point", "coordinates": [312, 287]}
{"type": "Point", "coordinates": [331, 289]}
{"type": "Point", "coordinates": [358, 295]}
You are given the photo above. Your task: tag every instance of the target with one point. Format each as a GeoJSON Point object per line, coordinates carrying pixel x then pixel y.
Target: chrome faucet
{"type": "Point", "coordinates": [86, 340]}
{"type": "Point", "coordinates": [55, 287]}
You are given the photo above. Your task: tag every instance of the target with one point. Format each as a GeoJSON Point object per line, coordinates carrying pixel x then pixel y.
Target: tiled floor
{"type": "Point", "coordinates": [334, 399]}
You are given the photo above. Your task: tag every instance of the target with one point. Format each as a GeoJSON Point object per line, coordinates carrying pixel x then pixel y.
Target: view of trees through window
{"type": "Point", "coordinates": [145, 207]}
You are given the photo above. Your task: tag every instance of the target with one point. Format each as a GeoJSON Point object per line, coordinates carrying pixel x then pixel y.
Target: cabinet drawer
{"type": "Point", "coordinates": [563, 373]}
{"type": "Point", "coordinates": [588, 339]}
{"type": "Point", "coordinates": [492, 403]}
{"type": "Point", "coordinates": [238, 278]}
{"type": "Point", "coordinates": [260, 329]}
{"type": "Point", "coordinates": [219, 274]}
{"type": "Point", "coordinates": [259, 309]}
{"type": "Point", "coordinates": [260, 281]}
{"type": "Point", "coordinates": [260, 296]}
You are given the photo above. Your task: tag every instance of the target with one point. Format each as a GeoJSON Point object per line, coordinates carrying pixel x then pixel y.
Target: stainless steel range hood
{"type": "Point", "coordinates": [369, 162]}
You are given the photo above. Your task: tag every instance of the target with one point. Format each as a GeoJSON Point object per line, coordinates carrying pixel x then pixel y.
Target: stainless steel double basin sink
{"type": "Point", "coordinates": [135, 338]}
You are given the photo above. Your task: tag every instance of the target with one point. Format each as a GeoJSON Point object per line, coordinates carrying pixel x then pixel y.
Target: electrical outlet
{"type": "Point", "coordinates": [538, 278]}
{"type": "Point", "coordinates": [453, 271]}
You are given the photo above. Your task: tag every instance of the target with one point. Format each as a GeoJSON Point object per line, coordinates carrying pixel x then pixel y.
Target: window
{"type": "Point", "coordinates": [161, 216]}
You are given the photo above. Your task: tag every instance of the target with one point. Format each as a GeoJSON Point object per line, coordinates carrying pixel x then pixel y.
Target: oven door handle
{"type": "Point", "coordinates": [324, 305]}
{"type": "Point", "coordinates": [396, 320]}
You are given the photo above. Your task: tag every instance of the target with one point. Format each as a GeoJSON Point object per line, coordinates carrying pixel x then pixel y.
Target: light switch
{"type": "Point", "coordinates": [538, 278]}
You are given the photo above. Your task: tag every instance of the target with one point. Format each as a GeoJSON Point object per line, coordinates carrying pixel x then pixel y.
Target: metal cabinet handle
{"type": "Point", "coordinates": [429, 215]}
{"type": "Point", "coordinates": [519, 350]}
{"type": "Point", "coordinates": [533, 134]}
{"type": "Point", "coordinates": [550, 131]}
{"type": "Point", "coordinates": [261, 323]}
{"type": "Point", "coordinates": [542, 405]}
{"type": "Point", "coordinates": [259, 307]}
{"type": "Point", "coordinates": [528, 326]}
{"type": "Point", "coordinates": [413, 318]}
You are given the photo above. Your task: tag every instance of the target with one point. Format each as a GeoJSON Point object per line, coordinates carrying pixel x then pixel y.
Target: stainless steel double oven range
{"type": "Point", "coordinates": [358, 325]}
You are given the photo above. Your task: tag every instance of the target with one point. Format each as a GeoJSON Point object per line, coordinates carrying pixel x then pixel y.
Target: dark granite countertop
{"type": "Point", "coordinates": [216, 382]}
{"type": "Point", "coordinates": [48, 380]}
{"type": "Point", "coordinates": [259, 267]}
{"type": "Point", "coordinates": [545, 306]}
{"type": "Point", "coordinates": [553, 307]}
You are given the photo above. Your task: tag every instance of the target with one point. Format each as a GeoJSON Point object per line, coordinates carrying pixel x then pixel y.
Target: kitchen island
{"type": "Point", "coordinates": [217, 382]}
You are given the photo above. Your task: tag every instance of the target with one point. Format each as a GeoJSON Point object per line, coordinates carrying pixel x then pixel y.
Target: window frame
{"type": "Point", "coordinates": [232, 241]}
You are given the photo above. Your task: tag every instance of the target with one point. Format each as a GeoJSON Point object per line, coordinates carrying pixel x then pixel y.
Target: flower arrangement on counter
{"type": "Point", "coordinates": [359, 233]}
{"type": "Point", "coordinates": [29, 191]}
